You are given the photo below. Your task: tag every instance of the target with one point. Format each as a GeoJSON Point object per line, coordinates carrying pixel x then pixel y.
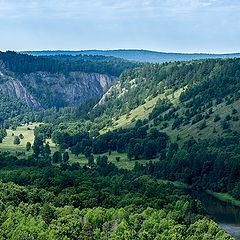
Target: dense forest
{"type": "Point", "coordinates": [23, 63]}
{"type": "Point", "coordinates": [101, 202]}
{"type": "Point", "coordinates": [10, 107]}
{"type": "Point", "coordinates": [177, 123]}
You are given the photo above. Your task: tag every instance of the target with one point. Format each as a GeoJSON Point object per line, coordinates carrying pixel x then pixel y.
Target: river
{"type": "Point", "coordinates": [225, 214]}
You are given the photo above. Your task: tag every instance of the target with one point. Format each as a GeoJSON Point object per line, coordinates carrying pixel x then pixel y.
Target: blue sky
{"type": "Point", "coordinates": [162, 25]}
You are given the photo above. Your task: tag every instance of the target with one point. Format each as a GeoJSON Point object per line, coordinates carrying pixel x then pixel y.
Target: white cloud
{"type": "Point", "coordinates": [108, 8]}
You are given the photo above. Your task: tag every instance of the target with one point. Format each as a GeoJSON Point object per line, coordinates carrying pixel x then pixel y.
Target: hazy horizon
{"type": "Point", "coordinates": [174, 26]}
{"type": "Point", "coordinates": [118, 49]}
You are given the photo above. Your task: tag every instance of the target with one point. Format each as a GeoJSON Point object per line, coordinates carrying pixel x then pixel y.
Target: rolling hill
{"type": "Point", "coordinates": [137, 55]}
{"type": "Point", "coordinates": [197, 99]}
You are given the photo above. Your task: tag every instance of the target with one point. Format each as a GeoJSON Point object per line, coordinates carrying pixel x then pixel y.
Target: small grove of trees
{"type": "Point", "coordinates": [40, 147]}
{"type": "Point", "coordinates": [28, 146]}
{"type": "Point", "coordinates": [16, 140]}
{"type": "Point", "coordinates": [138, 142]}
{"type": "Point", "coordinates": [58, 157]}
{"type": "Point", "coordinates": [21, 136]}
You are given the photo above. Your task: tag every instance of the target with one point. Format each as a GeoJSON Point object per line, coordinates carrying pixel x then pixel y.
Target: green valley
{"type": "Point", "coordinates": [126, 163]}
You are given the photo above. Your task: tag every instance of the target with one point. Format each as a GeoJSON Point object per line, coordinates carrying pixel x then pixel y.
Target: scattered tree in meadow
{"type": "Point", "coordinates": [57, 157]}
{"type": "Point", "coordinates": [65, 157]}
{"type": "Point", "coordinates": [21, 136]}
{"type": "Point", "coordinates": [28, 146]}
{"type": "Point", "coordinates": [16, 140]}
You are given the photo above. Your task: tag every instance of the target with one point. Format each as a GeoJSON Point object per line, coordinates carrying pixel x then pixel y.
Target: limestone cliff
{"type": "Point", "coordinates": [42, 89]}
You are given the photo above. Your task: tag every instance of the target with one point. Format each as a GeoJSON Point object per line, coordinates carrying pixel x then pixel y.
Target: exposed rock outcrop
{"type": "Point", "coordinates": [14, 88]}
{"type": "Point", "coordinates": [37, 89]}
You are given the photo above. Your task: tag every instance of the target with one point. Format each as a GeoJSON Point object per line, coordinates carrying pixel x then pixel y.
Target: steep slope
{"type": "Point", "coordinates": [11, 107]}
{"type": "Point", "coordinates": [197, 99]}
{"type": "Point", "coordinates": [42, 83]}
{"type": "Point", "coordinates": [13, 88]}
{"type": "Point", "coordinates": [138, 55]}
{"type": "Point", "coordinates": [43, 90]}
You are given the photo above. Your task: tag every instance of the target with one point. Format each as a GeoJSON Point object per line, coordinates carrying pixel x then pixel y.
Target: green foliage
{"type": "Point", "coordinates": [100, 201]}
{"type": "Point", "coordinates": [206, 164]}
{"type": "Point", "coordinates": [57, 157]}
{"type": "Point", "coordinates": [28, 146]}
{"type": "Point", "coordinates": [23, 63]}
{"type": "Point", "coordinates": [17, 140]}
{"type": "Point", "coordinates": [194, 92]}
{"type": "Point", "coordinates": [10, 107]}
{"type": "Point", "coordinates": [65, 157]}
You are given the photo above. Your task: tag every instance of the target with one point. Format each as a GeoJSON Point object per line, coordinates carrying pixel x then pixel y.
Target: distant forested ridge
{"type": "Point", "coordinates": [138, 55]}
{"type": "Point", "coordinates": [24, 63]}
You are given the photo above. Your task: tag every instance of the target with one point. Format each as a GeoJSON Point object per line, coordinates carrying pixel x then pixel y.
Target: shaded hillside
{"type": "Point", "coordinates": [138, 55]}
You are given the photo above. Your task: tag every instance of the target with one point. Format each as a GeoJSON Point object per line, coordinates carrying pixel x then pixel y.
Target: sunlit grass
{"type": "Point", "coordinates": [225, 197]}
{"type": "Point", "coordinates": [123, 162]}
{"type": "Point", "coordinates": [28, 134]}
{"type": "Point", "coordinates": [142, 112]}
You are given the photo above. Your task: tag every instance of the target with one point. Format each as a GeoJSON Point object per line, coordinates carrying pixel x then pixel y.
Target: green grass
{"type": "Point", "coordinates": [141, 112]}
{"type": "Point", "coordinates": [28, 133]}
{"type": "Point", "coordinates": [225, 197]}
{"type": "Point", "coordinates": [213, 129]}
{"type": "Point", "coordinates": [124, 162]}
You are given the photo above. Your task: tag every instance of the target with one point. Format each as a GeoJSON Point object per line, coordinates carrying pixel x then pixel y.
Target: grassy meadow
{"type": "Point", "coordinates": [28, 133]}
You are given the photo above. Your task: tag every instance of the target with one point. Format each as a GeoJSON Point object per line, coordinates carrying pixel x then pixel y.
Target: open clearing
{"type": "Point", "coordinates": [28, 133]}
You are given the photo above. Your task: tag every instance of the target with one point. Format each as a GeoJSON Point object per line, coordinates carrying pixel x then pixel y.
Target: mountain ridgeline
{"type": "Point", "coordinates": [137, 55]}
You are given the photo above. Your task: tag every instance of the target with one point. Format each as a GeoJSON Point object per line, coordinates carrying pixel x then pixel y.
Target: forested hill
{"type": "Point", "coordinates": [189, 98]}
{"type": "Point", "coordinates": [24, 63]}
{"type": "Point", "coordinates": [61, 81]}
{"type": "Point", "coordinates": [138, 55]}
{"type": "Point", "coordinates": [124, 171]}
{"type": "Point", "coordinates": [184, 115]}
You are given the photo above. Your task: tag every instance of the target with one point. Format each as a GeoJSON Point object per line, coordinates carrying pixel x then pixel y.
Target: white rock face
{"type": "Point", "coordinates": [71, 89]}
{"type": "Point", "coordinates": [15, 89]}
